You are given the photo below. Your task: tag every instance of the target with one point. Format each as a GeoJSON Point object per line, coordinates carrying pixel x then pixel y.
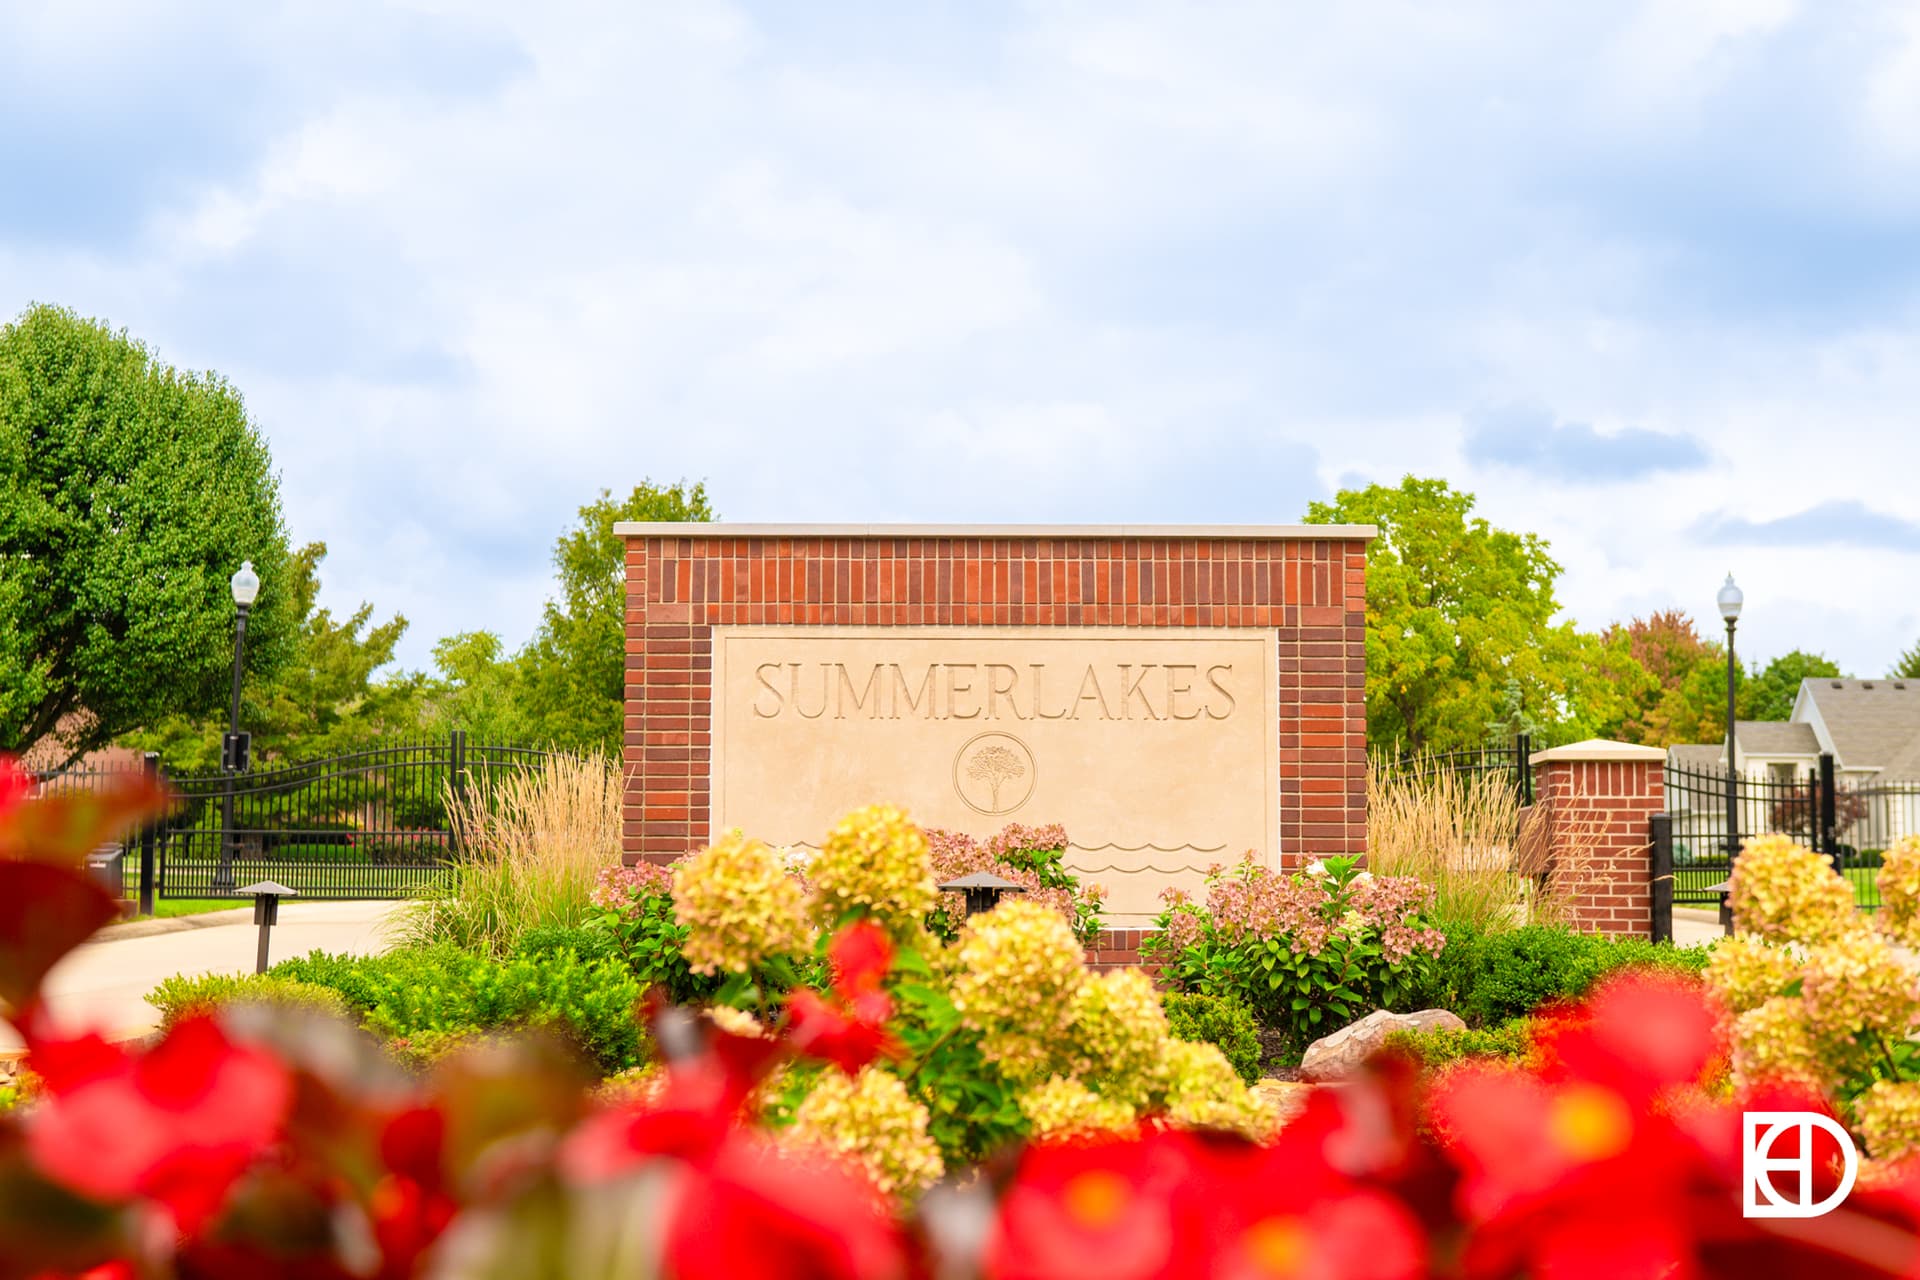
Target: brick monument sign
{"type": "Point", "coordinates": [1174, 696]}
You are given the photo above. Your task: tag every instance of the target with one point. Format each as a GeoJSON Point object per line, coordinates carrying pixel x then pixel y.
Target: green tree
{"type": "Point", "coordinates": [1908, 667]}
{"type": "Point", "coordinates": [479, 689]}
{"type": "Point", "coordinates": [1686, 698]}
{"type": "Point", "coordinates": [129, 494]}
{"type": "Point", "coordinates": [1460, 627]}
{"type": "Point", "coordinates": [325, 700]}
{"type": "Point", "coordinates": [1769, 693]}
{"type": "Point", "coordinates": [572, 675]}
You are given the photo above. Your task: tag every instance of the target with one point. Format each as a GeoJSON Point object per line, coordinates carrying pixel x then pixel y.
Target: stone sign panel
{"type": "Point", "coordinates": [1150, 745]}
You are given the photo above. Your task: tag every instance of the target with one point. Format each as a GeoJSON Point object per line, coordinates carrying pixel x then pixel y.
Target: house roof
{"type": "Point", "coordinates": [1873, 723]}
{"type": "Point", "coordinates": [1698, 755]}
{"type": "Point", "coordinates": [1776, 738]}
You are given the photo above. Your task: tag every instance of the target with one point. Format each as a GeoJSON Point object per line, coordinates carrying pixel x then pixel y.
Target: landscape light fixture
{"type": "Point", "coordinates": [982, 890]}
{"type": "Point", "coordinates": [266, 911]}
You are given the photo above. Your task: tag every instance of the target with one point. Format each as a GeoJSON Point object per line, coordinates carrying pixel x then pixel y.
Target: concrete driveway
{"type": "Point", "coordinates": [102, 985]}
{"type": "Point", "coordinates": [1692, 926]}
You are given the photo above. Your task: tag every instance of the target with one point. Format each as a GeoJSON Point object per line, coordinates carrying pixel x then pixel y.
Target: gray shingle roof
{"type": "Point", "coordinates": [1874, 723]}
{"type": "Point", "coordinates": [1776, 738]}
{"type": "Point", "coordinates": [1698, 755]}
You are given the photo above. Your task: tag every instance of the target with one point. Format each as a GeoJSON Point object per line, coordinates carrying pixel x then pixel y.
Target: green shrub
{"type": "Point", "coordinates": [1217, 1020]}
{"type": "Point", "coordinates": [1489, 979]}
{"type": "Point", "coordinates": [584, 941]}
{"type": "Point", "coordinates": [182, 997]}
{"type": "Point", "coordinates": [428, 996]}
{"type": "Point", "coordinates": [351, 976]}
{"type": "Point", "coordinates": [1510, 1041]}
{"type": "Point", "coordinates": [646, 934]}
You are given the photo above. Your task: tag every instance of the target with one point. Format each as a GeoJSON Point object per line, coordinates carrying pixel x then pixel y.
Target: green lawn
{"type": "Point", "coordinates": [1866, 887]}
{"type": "Point", "coordinates": [194, 906]}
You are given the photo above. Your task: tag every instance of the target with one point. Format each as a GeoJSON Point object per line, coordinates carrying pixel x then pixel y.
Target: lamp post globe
{"type": "Point", "coordinates": [1730, 599]}
{"type": "Point", "coordinates": [246, 585]}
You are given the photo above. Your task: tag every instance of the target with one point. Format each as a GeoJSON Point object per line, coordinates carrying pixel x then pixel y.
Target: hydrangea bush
{"type": "Point", "coordinates": [1307, 951]}
{"type": "Point", "coordinates": [263, 1141]}
{"type": "Point", "coordinates": [1820, 995]}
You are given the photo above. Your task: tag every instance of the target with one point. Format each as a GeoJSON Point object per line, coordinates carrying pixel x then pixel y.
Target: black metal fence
{"type": "Point", "coordinates": [368, 824]}
{"type": "Point", "coordinates": [1508, 758]}
{"type": "Point", "coordinates": [1852, 819]}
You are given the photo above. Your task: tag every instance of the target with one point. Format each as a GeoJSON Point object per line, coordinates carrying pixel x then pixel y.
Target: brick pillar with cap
{"type": "Point", "coordinates": [1597, 799]}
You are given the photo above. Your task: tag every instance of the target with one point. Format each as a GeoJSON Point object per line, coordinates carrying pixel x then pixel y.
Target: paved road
{"type": "Point", "coordinates": [1691, 926]}
{"type": "Point", "coordinates": [102, 984]}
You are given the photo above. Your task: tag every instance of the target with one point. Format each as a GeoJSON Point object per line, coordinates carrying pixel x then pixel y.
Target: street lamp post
{"type": "Point", "coordinates": [233, 752]}
{"type": "Point", "coordinates": [1730, 600]}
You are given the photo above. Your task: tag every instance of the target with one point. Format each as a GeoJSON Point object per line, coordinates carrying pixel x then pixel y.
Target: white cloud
{"type": "Point", "coordinates": [1116, 261]}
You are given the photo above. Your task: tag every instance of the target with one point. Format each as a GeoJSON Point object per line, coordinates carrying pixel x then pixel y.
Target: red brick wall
{"type": "Point", "coordinates": [1598, 812]}
{"type": "Point", "coordinates": [1119, 949]}
{"type": "Point", "coordinates": [1312, 592]}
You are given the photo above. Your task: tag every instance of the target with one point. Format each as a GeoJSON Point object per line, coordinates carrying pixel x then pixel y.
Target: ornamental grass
{"type": "Point", "coordinates": [1466, 835]}
{"type": "Point", "coordinates": [533, 844]}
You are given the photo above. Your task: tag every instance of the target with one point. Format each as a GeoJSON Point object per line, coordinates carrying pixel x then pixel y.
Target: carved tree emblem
{"type": "Point", "coordinates": [994, 773]}
{"type": "Point", "coordinates": [995, 765]}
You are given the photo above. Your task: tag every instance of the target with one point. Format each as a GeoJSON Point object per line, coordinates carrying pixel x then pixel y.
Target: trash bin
{"type": "Point", "coordinates": [107, 866]}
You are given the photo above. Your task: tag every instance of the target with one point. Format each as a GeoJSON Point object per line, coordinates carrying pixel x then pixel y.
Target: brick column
{"type": "Point", "coordinates": [1597, 799]}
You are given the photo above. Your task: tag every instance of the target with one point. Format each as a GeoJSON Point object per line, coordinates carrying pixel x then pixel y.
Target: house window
{"type": "Point", "coordinates": [1781, 773]}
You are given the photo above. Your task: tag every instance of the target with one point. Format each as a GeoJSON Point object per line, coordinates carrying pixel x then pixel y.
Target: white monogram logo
{"type": "Point", "coordinates": [1759, 1130]}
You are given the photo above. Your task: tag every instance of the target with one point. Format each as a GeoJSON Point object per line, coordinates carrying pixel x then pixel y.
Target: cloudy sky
{"type": "Point", "coordinates": [1644, 278]}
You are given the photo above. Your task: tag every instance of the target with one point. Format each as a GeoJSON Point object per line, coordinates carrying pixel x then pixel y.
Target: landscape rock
{"type": "Point", "coordinates": [1338, 1056]}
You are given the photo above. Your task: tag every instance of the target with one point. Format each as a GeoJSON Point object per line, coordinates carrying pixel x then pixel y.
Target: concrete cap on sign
{"type": "Point", "coordinates": [1599, 749]}
{"type": "Point", "coordinates": [266, 889]}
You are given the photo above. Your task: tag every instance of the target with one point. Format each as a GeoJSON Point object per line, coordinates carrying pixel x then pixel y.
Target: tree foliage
{"type": "Point", "coordinates": [1908, 667]}
{"type": "Point", "coordinates": [1461, 629]}
{"type": "Point", "coordinates": [1769, 692]}
{"type": "Point", "coordinates": [572, 675]}
{"type": "Point", "coordinates": [478, 688]}
{"type": "Point", "coordinates": [129, 493]}
{"type": "Point", "coordinates": [1686, 698]}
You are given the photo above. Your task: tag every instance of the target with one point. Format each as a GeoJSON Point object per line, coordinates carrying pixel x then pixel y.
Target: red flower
{"type": "Point", "coordinates": [1171, 1205]}
{"type": "Point", "coordinates": [861, 954]}
{"type": "Point", "coordinates": [177, 1124]}
{"type": "Point", "coordinates": [756, 1212]}
{"type": "Point", "coordinates": [850, 1040]}
{"type": "Point", "coordinates": [15, 783]}
{"type": "Point", "coordinates": [1582, 1169]}
{"type": "Point", "coordinates": [740, 1208]}
{"type": "Point", "coordinates": [411, 1206]}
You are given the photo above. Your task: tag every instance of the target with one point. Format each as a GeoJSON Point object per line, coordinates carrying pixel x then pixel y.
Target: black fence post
{"type": "Point", "coordinates": [150, 762]}
{"type": "Point", "coordinates": [1660, 878]}
{"type": "Point", "coordinates": [1829, 838]}
{"type": "Point", "coordinates": [456, 787]}
{"type": "Point", "coordinates": [1523, 766]}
